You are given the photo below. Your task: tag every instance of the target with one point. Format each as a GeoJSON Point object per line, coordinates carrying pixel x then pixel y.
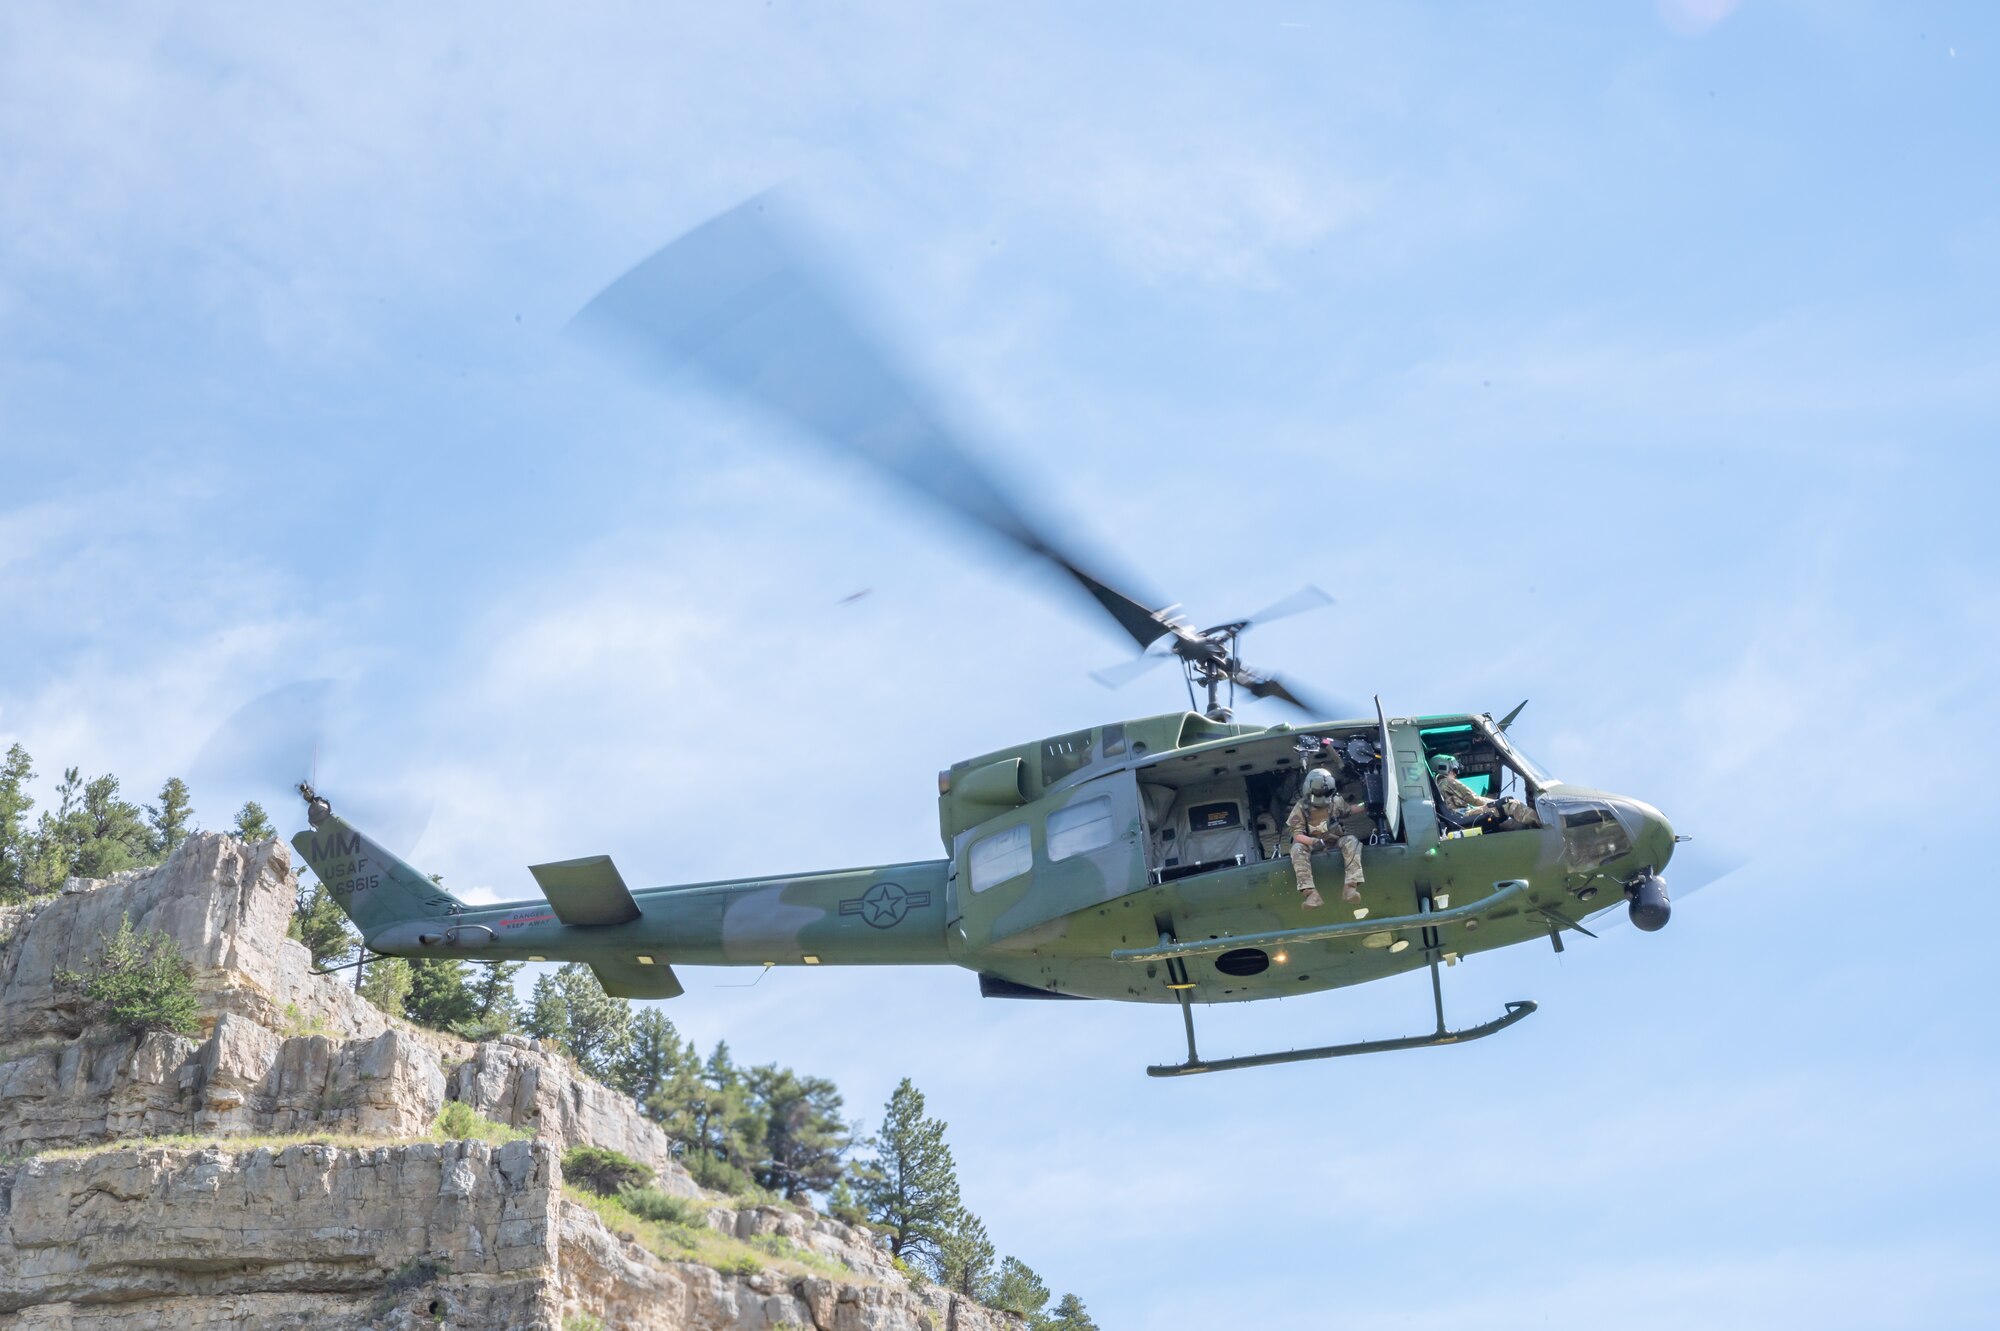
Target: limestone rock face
{"type": "Point", "coordinates": [338, 1238]}
{"type": "Point", "coordinates": [225, 901]}
{"type": "Point", "coordinates": [406, 1234]}
{"type": "Point", "coordinates": [517, 1081]}
{"type": "Point", "coordinates": [850, 1245]}
{"type": "Point", "coordinates": [287, 1050]}
{"type": "Point", "coordinates": [94, 1091]}
{"type": "Point", "coordinates": [623, 1285]}
{"type": "Point", "coordinates": [252, 1081]}
{"type": "Point", "coordinates": [155, 1237]}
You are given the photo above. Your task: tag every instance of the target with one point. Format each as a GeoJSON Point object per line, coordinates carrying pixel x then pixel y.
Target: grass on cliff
{"type": "Point", "coordinates": [480, 1129]}
{"type": "Point", "coordinates": [696, 1242]}
{"type": "Point", "coordinates": [196, 1141]}
{"type": "Point", "coordinates": [458, 1121]}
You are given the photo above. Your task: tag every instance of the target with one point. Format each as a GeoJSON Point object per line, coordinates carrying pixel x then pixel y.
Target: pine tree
{"type": "Point", "coordinates": [498, 1009]}
{"type": "Point", "coordinates": [252, 823]}
{"type": "Point", "coordinates": [572, 1009]}
{"type": "Point", "coordinates": [803, 1133]}
{"type": "Point", "coordinates": [646, 1066]}
{"type": "Point", "coordinates": [112, 834]}
{"type": "Point", "coordinates": [385, 982]}
{"type": "Point", "coordinates": [913, 1195]}
{"type": "Point", "coordinates": [842, 1203]}
{"type": "Point", "coordinates": [321, 925]}
{"type": "Point", "coordinates": [140, 981]}
{"type": "Point", "coordinates": [441, 995]}
{"type": "Point", "coordinates": [965, 1257]}
{"type": "Point", "coordinates": [170, 818]}
{"type": "Point", "coordinates": [1018, 1289]}
{"type": "Point", "coordinates": [548, 1013]}
{"type": "Point", "coordinates": [705, 1109]}
{"type": "Point", "coordinates": [17, 850]}
{"type": "Point", "coordinates": [1068, 1316]}
{"type": "Point", "coordinates": [58, 837]}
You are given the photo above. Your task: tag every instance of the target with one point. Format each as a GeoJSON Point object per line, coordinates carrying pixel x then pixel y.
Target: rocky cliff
{"type": "Point", "coordinates": [275, 1171]}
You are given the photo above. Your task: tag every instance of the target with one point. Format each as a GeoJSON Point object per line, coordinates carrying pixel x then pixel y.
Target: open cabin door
{"type": "Point", "coordinates": [1392, 797]}
{"type": "Point", "coordinates": [1406, 782]}
{"type": "Point", "coordinates": [1064, 853]}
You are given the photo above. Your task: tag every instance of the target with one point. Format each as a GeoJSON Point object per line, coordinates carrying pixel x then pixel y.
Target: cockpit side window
{"type": "Point", "coordinates": [1538, 780]}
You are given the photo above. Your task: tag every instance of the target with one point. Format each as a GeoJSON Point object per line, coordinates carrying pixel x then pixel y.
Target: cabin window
{"type": "Point", "coordinates": [1084, 825]}
{"type": "Point", "coordinates": [1003, 855]}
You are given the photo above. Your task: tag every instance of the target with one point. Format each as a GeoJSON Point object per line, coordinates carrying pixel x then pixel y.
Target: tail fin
{"type": "Point", "coordinates": [374, 886]}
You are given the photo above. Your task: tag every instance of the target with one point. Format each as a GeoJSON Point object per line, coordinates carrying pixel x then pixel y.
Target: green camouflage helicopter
{"type": "Point", "coordinates": [1140, 861]}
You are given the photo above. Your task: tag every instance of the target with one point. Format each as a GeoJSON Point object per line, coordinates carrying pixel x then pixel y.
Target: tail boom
{"type": "Point", "coordinates": [882, 915]}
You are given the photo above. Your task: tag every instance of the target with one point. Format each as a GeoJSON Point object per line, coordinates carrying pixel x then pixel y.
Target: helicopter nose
{"type": "Point", "coordinates": [1652, 835]}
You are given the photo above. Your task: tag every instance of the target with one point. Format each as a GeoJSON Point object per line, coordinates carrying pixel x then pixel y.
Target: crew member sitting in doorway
{"type": "Point", "coordinates": [1314, 823]}
{"type": "Point", "coordinates": [1491, 815]}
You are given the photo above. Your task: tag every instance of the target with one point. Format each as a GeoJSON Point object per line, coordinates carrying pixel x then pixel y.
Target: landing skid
{"type": "Point", "coordinates": [1515, 1011]}
{"type": "Point", "coordinates": [1433, 946]}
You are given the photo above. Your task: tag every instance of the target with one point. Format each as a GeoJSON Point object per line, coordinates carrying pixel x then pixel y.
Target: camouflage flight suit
{"type": "Point", "coordinates": [1323, 824]}
{"type": "Point", "coordinates": [1459, 798]}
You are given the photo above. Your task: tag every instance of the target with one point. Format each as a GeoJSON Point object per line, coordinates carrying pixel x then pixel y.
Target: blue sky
{"type": "Point", "coordinates": [1637, 359]}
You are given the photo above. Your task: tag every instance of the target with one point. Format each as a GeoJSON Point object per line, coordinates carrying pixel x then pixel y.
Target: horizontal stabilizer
{"type": "Point", "coordinates": [637, 979]}
{"type": "Point", "coordinates": [587, 891]}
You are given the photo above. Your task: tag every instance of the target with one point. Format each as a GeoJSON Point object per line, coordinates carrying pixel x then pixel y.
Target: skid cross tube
{"type": "Point", "coordinates": [1505, 891]}
{"type": "Point", "coordinates": [1425, 919]}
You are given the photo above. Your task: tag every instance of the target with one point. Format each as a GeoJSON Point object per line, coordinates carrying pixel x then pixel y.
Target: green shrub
{"type": "Point", "coordinates": [721, 1176]}
{"type": "Point", "coordinates": [412, 1274]}
{"type": "Point", "coordinates": [480, 1029]}
{"type": "Point", "coordinates": [139, 981]}
{"type": "Point", "coordinates": [652, 1204]}
{"type": "Point", "coordinates": [582, 1322]}
{"type": "Point", "coordinates": [416, 1272]}
{"type": "Point", "coordinates": [742, 1264]}
{"type": "Point", "coordinates": [458, 1121]}
{"type": "Point", "coordinates": [604, 1172]}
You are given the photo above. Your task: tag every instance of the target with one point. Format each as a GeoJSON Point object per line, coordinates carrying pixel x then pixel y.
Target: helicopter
{"type": "Point", "coordinates": [1142, 860]}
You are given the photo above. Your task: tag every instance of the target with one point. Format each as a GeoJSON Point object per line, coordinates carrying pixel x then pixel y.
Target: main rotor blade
{"type": "Point", "coordinates": [1274, 686]}
{"type": "Point", "coordinates": [1300, 601]}
{"type": "Point", "coordinates": [1118, 676]}
{"type": "Point", "coordinates": [741, 300]}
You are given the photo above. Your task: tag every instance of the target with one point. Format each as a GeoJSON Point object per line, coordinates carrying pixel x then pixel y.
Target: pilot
{"type": "Point", "coordinates": [1314, 823]}
{"type": "Point", "coordinates": [1496, 815]}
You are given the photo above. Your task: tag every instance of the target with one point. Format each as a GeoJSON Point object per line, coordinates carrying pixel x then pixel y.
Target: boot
{"type": "Point", "coordinates": [1310, 898]}
{"type": "Point", "coordinates": [1351, 893]}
